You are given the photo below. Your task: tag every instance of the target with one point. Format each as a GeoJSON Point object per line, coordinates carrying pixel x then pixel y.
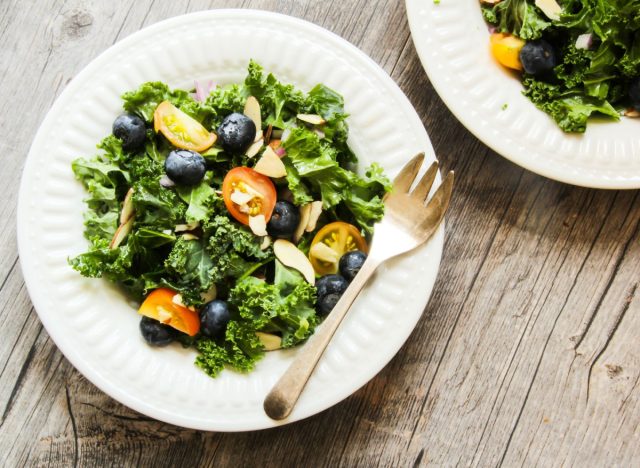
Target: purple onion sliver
{"type": "Point", "coordinates": [280, 151]}
{"type": "Point", "coordinates": [200, 95]}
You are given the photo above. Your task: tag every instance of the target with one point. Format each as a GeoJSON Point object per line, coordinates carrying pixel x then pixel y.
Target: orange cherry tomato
{"type": "Point", "coordinates": [332, 242]}
{"type": "Point", "coordinates": [160, 305]}
{"type": "Point", "coordinates": [182, 130]}
{"type": "Point", "coordinates": [506, 50]}
{"type": "Point", "coordinates": [248, 181]}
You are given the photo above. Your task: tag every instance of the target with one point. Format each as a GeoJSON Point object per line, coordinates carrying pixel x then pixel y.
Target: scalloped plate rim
{"type": "Point", "coordinates": [72, 354]}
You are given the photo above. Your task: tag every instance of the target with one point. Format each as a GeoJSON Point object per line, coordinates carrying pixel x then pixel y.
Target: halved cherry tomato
{"type": "Point", "coordinates": [182, 130]}
{"type": "Point", "coordinates": [506, 50]}
{"type": "Point", "coordinates": [246, 180]}
{"type": "Point", "coordinates": [338, 238]}
{"type": "Point", "coordinates": [161, 306]}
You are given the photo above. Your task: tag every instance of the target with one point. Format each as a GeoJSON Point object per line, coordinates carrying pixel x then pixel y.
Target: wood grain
{"type": "Point", "coordinates": [527, 354]}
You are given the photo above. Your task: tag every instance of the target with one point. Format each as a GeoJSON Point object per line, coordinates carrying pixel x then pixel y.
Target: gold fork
{"type": "Point", "coordinates": [409, 221]}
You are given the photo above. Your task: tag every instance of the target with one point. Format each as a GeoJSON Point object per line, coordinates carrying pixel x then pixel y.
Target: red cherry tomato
{"type": "Point", "coordinates": [247, 181]}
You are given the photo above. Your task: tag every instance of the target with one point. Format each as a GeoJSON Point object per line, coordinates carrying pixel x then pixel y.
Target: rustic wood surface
{"type": "Point", "coordinates": [527, 354]}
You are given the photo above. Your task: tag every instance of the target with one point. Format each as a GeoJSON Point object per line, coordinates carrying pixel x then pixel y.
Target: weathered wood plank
{"type": "Point", "coordinates": [527, 353]}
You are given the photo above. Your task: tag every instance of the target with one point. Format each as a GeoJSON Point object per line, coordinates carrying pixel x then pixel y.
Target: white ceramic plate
{"type": "Point", "coordinates": [452, 41]}
{"type": "Point", "coordinates": [92, 323]}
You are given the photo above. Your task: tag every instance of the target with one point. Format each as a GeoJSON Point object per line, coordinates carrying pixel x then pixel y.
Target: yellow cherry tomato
{"type": "Point", "coordinates": [182, 130]}
{"type": "Point", "coordinates": [506, 50]}
{"type": "Point", "coordinates": [331, 242]}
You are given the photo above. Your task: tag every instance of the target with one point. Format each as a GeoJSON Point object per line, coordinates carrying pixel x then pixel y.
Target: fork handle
{"type": "Point", "coordinates": [285, 393]}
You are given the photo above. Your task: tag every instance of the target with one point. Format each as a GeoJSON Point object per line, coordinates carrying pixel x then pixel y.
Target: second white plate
{"type": "Point", "coordinates": [452, 41]}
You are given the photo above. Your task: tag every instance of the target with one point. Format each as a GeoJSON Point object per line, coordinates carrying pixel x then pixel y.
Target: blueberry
{"type": "Point", "coordinates": [350, 264]}
{"type": "Point", "coordinates": [156, 333]}
{"type": "Point", "coordinates": [236, 133]}
{"type": "Point", "coordinates": [330, 288]}
{"type": "Point", "coordinates": [214, 317]}
{"type": "Point", "coordinates": [131, 130]}
{"type": "Point", "coordinates": [284, 220]}
{"type": "Point", "coordinates": [538, 57]}
{"type": "Point", "coordinates": [327, 303]}
{"type": "Point", "coordinates": [634, 93]}
{"type": "Point", "coordinates": [185, 167]}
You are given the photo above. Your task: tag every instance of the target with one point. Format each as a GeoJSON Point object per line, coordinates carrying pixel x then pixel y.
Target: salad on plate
{"type": "Point", "coordinates": [577, 58]}
{"type": "Point", "coordinates": [232, 214]}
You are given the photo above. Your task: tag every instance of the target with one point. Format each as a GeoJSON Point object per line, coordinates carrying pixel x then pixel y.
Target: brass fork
{"type": "Point", "coordinates": [409, 221]}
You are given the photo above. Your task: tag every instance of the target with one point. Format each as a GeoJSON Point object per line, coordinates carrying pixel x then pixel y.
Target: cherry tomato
{"type": "Point", "coordinates": [506, 49]}
{"type": "Point", "coordinates": [332, 242]}
{"type": "Point", "coordinates": [161, 306]}
{"type": "Point", "coordinates": [182, 130]}
{"type": "Point", "coordinates": [248, 181]}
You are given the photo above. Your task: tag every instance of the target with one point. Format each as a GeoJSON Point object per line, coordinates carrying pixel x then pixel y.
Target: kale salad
{"type": "Point", "coordinates": [232, 214]}
{"type": "Point", "coordinates": [578, 58]}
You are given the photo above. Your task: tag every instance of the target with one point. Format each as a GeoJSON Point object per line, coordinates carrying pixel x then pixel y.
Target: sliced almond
{"type": "Point", "coordinates": [270, 164]}
{"type": "Point", "coordinates": [252, 110]}
{"type": "Point", "coordinates": [314, 214]}
{"type": "Point", "coordinates": [323, 252]}
{"type": "Point", "coordinates": [294, 258]}
{"type": "Point", "coordinates": [313, 119]}
{"type": "Point", "coordinates": [189, 236]}
{"type": "Point", "coordinates": [241, 198]}
{"type": "Point", "coordinates": [122, 232]}
{"type": "Point", "coordinates": [269, 341]}
{"type": "Point", "coordinates": [254, 148]}
{"type": "Point", "coordinates": [305, 212]}
{"type": "Point", "coordinates": [127, 207]}
{"type": "Point", "coordinates": [266, 242]}
{"type": "Point", "coordinates": [550, 8]}
{"type": "Point", "coordinates": [187, 227]}
{"type": "Point", "coordinates": [164, 315]}
{"type": "Point", "coordinates": [258, 225]}
{"type": "Point", "coordinates": [631, 113]}
{"type": "Point", "coordinates": [267, 134]}
{"type": "Point", "coordinates": [209, 295]}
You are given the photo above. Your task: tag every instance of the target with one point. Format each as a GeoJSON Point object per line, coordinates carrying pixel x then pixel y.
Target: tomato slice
{"type": "Point", "coordinates": [332, 242]}
{"type": "Point", "coordinates": [161, 306]}
{"type": "Point", "coordinates": [506, 50]}
{"type": "Point", "coordinates": [182, 130]}
{"type": "Point", "coordinates": [247, 181]}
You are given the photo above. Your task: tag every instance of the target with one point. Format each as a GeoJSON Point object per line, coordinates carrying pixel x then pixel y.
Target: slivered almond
{"type": "Point", "coordinates": [267, 134]}
{"type": "Point", "coordinates": [632, 113]}
{"type": "Point", "coordinates": [266, 242]}
{"type": "Point", "coordinates": [269, 341]}
{"type": "Point", "coordinates": [313, 119]}
{"type": "Point", "coordinates": [252, 110]}
{"type": "Point", "coordinates": [314, 214]}
{"type": "Point", "coordinates": [550, 8]}
{"type": "Point", "coordinates": [270, 164]}
{"type": "Point", "coordinates": [188, 236]}
{"type": "Point", "coordinates": [241, 198]}
{"type": "Point", "coordinates": [323, 252]}
{"type": "Point", "coordinates": [294, 258]}
{"type": "Point", "coordinates": [254, 148]}
{"type": "Point", "coordinates": [209, 295]}
{"type": "Point", "coordinates": [164, 316]}
{"type": "Point", "coordinates": [187, 227]}
{"type": "Point", "coordinates": [127, 207]}
{"type": "Point", "coordinates": [258, 225]}
{"type": "Point", "coordinates": [122, 232]}
{"type": "Point", "coordinates": [305, 212]}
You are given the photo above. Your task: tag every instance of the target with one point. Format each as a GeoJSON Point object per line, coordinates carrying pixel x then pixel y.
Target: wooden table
{"type": "Point", "coordinates": [527, 354]}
